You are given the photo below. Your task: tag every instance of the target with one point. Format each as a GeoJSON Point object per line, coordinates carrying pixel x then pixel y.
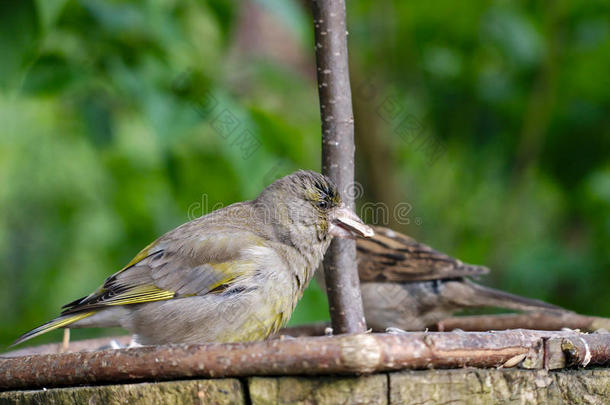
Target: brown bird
{"type": "Point", "coordinates": [408, 285]}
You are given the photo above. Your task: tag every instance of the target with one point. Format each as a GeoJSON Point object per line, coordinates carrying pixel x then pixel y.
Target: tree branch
{"type": "Point", "coordinates": [342, 283]}
{"type": "Point", "coordinates": [533, 320]}
{"type": "Point", "coordinates": [345, 354]}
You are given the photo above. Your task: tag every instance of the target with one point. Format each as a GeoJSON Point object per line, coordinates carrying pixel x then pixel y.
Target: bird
{"type": "Point", "coordinates": [407, 285]}
{"type": "Point", "coordinates": [233, 275]}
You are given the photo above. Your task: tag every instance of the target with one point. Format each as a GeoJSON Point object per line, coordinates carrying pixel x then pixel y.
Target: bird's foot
{"type": "Point", "coordinates": [395, 331]}
{"type": "Point", "coordinates": [133, 343]}
{"type": "Point", "coordinates": [114, 344]}
{"type": "Point", "coordinates": [286, 337]}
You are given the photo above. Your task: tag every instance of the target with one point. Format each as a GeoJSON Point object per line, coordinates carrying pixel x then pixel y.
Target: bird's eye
{"type": "Point", "coordinates": [323, 204]}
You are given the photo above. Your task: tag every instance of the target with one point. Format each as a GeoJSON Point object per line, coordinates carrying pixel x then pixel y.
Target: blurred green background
{"type": "Point", "coordinates": [485, 122]}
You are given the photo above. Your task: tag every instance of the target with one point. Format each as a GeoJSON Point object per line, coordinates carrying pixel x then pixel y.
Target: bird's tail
{"type": "Point", "coordinates": [59, 322]}
{"type": "Point", "coordinates": [477, 296]}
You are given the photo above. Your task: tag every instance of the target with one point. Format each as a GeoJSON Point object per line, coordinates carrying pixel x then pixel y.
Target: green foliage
{"type": "Point", "coordinates": [515, 94]}
{"type": "Point", "coordinates": [19, 37]}
{"type": "Point", "coordinates": [121, 120]}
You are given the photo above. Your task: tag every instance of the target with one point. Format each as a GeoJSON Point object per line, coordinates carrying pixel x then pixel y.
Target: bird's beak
{"type": "Point", "coordinates": [345, 224]}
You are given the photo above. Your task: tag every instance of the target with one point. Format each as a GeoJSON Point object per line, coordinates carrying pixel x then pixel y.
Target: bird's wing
{"type": "Point", "coordinates": [161, 271]}
{"type": "Point", "coordinates": [392, 256]}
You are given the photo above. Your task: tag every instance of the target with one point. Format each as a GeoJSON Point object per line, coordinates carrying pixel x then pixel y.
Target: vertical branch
{"type": "Point", "coordinates": [341, 273]}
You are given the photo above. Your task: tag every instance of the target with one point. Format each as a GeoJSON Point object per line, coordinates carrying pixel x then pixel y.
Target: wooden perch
{"type": "Point", "coordinates": [533, 320]}
{"type": "Point", "coordinates": [477, 323]}
{"type": "Point", "coordinates": [340, 269]}
{"type": "Point", "coordinates": [481, 323]}
{"type": "Point", "coordinates": [345, 354]}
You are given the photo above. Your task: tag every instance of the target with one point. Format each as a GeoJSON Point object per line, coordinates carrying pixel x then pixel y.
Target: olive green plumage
{"type": "Point", "coordinates": [233, 275]}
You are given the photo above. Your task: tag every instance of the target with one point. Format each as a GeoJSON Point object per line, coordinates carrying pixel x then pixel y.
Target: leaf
{"type": "Point", "coordinates": [19, 39]}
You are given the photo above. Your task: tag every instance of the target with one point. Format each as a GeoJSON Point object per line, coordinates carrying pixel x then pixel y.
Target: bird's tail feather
{"type": "Point", "coordinates": [59, 322]}
{"type": "Point", "coordinates": [481, 296]}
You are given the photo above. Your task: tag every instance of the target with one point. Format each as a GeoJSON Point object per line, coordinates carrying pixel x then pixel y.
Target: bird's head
{"type": "Point", "coordinates": [306, 205]}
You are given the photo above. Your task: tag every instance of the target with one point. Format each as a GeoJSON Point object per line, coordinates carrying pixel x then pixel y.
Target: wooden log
{"type": "Point", "coordinates": [430, 387]}
{"type": "Point", "coordinates": [228, 391]}
{"type": "Point", "coordinates": [321, 390]}
{"type": "Point", "coordinates": [476, 386]}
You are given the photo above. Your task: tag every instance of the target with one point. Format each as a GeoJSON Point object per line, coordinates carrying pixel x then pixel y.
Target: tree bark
{"type": "Point", "coordinates": [533, 320]}
{"type": "Point", "coordinates": [340, 269]}
{"type": "Point", "coordinates": [346, 354]}
{"type": "Point", "coordinates": [430, 387]}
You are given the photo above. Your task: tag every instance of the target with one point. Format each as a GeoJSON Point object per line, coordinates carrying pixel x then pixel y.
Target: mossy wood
{"type": "Point", "coordinates": [430, 387]}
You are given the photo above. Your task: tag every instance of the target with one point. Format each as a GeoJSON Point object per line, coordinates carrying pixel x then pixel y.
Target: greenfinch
{"type": "Point", "coordinates": [233, 275]}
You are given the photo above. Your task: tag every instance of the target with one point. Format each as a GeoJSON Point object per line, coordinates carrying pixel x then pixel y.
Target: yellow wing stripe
{"type": "Point", "coordinates": [141, 294]}
{"type": "Point", "coordinates": [224, 268]}
{"type": "Point", "coordinates": [52, 325]}
{"type": "Point", "coordinates": [143, 254]}
{"type": "Point", "coordinates": [68, 321]}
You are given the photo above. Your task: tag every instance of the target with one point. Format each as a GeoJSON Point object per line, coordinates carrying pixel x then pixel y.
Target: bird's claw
{"type": "Point", "coordinates": [286, 337]}
{"type": "Point", "coordinates": [395, 331]}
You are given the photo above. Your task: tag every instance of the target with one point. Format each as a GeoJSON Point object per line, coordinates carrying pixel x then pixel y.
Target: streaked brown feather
{"type": "Point", "coordinates": [394, 257]}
